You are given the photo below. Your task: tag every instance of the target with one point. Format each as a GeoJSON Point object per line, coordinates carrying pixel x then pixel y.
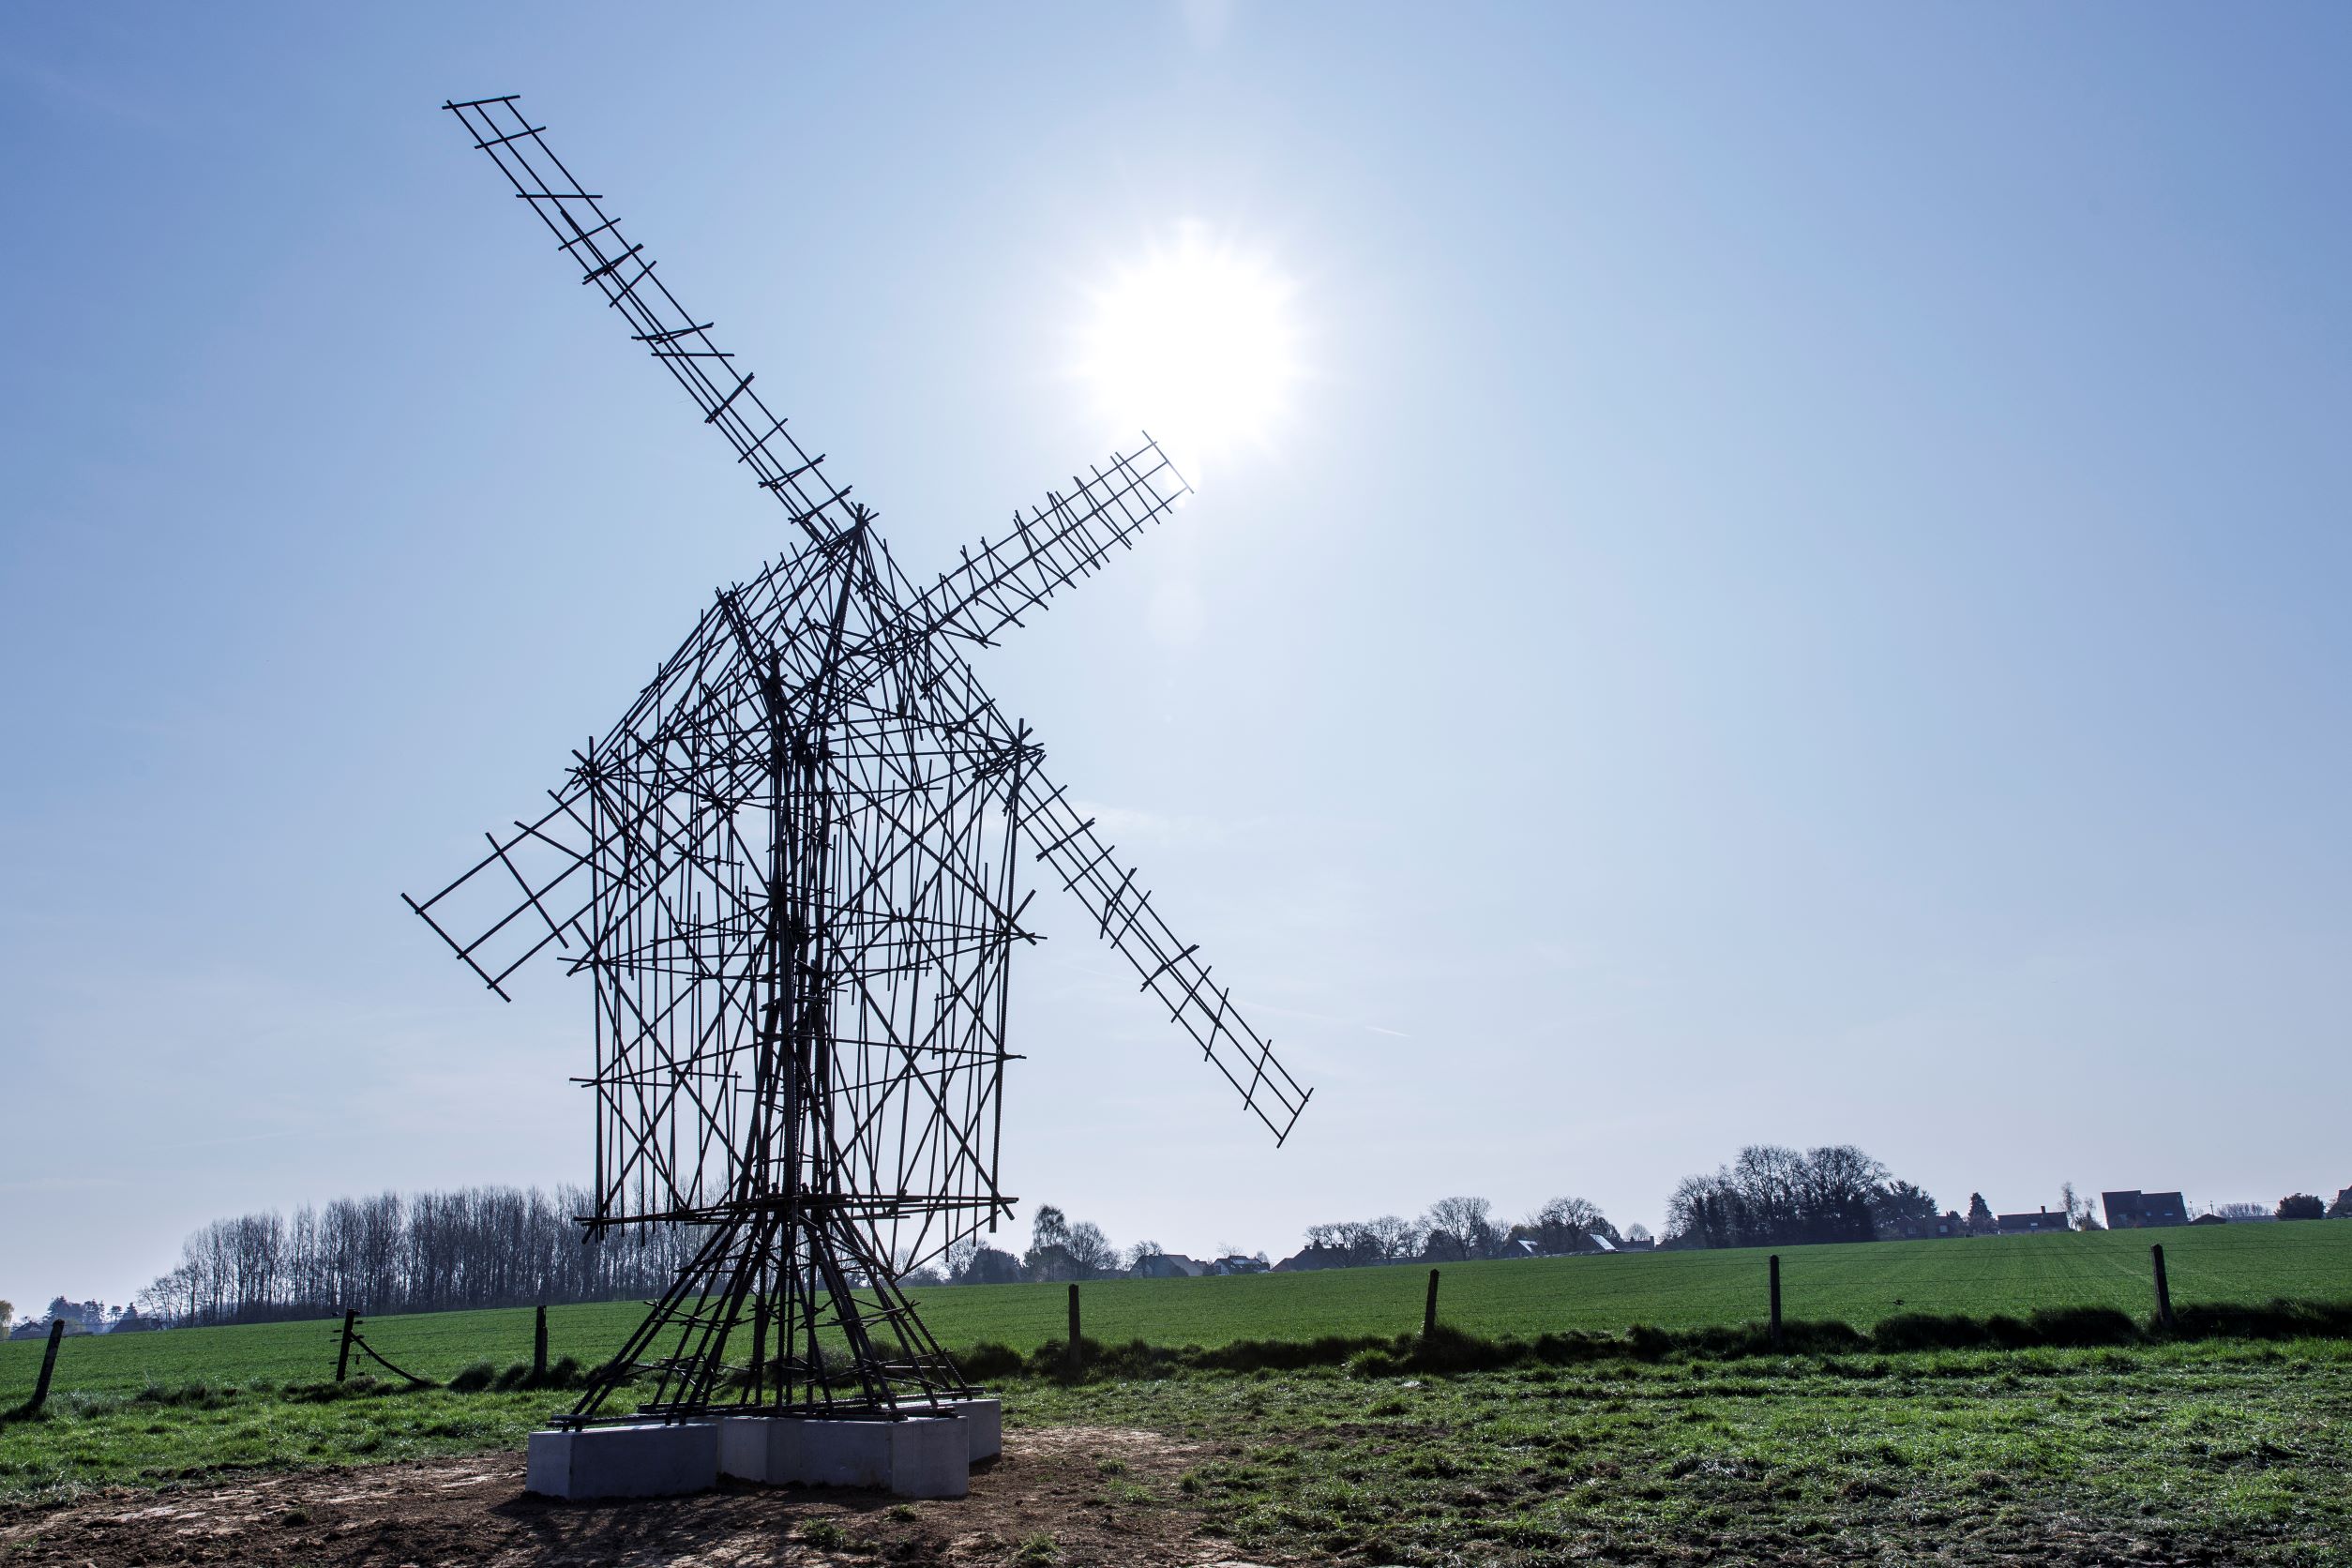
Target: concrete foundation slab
{"type": "Point", "coordinates": [921, 1456]}
{"type": "Point", "coordinates": [653, 1460]}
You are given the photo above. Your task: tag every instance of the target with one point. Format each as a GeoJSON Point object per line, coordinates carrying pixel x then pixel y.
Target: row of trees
{"type": "Point", "coordinates": [507, 1246]}
{"type": "Point", "coordinates": [1776, 1196]}
{"type": "Point", "coordinates": [429, 1252]}
{"type": "Point", "coordinates": [1058, 1250]}
{"type": "Point", "coordinates": [2295, 1205]}
{"type": "Point", "coordinates": [1457, 1230]}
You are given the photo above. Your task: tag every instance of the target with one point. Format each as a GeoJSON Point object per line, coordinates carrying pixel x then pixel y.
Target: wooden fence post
{"type": "Point", "coordinates": [1775, 1301]}
{"type": "Point", "coordinates": [1429, 1308]}
{"type": "Point", "coordinates": [49, 1364]}
{"type": "Point", "coordinates": [342, 1351]}
{"type": "Point", "coordinates": [538, 1348]}
{"type": "Point", "coordinates": [1074, 1329]}
{"type": "Point", "coordinates": [2163, 1288]}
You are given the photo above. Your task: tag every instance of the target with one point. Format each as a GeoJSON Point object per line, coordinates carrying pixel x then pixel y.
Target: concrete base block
{"type": "Point", "coordinates": [984, 1422]}
{"type": "Point", "coordinates": [921, 1457]}
{"type": "Point", "coordinates": [648, 1461]}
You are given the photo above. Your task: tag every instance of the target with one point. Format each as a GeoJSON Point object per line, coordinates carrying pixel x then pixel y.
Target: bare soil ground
{"type": "Point", "coordinates": [1066, 1495]}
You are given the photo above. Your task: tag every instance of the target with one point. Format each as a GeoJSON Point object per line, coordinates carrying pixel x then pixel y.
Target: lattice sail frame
{"type": "Point", "coordinates": [790, 870]}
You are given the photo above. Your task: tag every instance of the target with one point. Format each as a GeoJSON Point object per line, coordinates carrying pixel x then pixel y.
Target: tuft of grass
{"type": "Point", "coordinates": [1038, 1551]}
{"type": "Point", "coordinates": [823, 1534]}
{"type": "Point", "coordinates": [473, 1378]}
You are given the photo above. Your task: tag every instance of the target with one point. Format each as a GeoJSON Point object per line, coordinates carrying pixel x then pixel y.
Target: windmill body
{"type": "Point", "coordinates": [791, 873]}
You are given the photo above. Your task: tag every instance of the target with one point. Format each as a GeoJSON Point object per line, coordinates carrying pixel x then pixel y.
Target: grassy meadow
{"type": "Point", "coordinates": [2181, 1453]}
{"type": "Point", "coordinates": [2156, 1449]}
{"type": "Point", "coordinates": [1854, 1284]}
{"type": "Point", "coordinates": [2189, 1453]}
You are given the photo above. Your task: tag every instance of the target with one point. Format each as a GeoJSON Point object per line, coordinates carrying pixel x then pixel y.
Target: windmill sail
{"type": "Point", "coordinates": [1068, 537]}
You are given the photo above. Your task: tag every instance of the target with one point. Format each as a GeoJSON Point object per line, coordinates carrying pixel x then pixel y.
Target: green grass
{"type": "Point", "coordinates": [2178, 1452]}
{"type": "Point", "coordinates": [1858, 1285]}
{"type": "Point", "coordinates": [85, 1440]}
{"type": "Point", "coordinates": [2181, 1452]}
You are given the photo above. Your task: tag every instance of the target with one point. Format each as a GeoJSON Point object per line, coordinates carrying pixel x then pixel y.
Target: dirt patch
{"type": "Point", "coordinates": [1064, 1495]}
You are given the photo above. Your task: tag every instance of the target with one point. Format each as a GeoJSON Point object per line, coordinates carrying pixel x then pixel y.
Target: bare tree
{"type": "Point", "coordinates": [1567, 1225]}
{"type": "Point", "coordinates": [1460, 1227]}
{"type": "Point", "coordinates": [1393, 1240]}
{"type": "Point", "coordinates": [1091, 1254]}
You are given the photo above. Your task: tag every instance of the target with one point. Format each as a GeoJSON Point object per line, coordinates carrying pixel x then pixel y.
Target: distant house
{"type": "Point", "coordinates": [1238, 1264]}
{"type": "Point", "coordinates": [2029, 1225]}
{"type": "Point", "coordinates": [1314, 1255]}
{"type": "Point", "coordinates": [2140, 1210]}
{"type": "Point", "coordinates": [1168, 1265]}
{"type": "Point", "coordinates": [1948, 1223]}
{"type": "Point", "coordinates": [2342, 1207]}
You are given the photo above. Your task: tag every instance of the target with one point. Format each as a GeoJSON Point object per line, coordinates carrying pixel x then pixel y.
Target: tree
{"type": "Point", "coordinates": [1460, 1229]}
{"type": "Point", "coordinates": [1141, 1250]}
{"type": "Point", "coordinates": [2301, 1205]}
{"type": "Point", "coordinates": [2076, 1207]}
{"type": "Point", "coordinates": [1090, 1252]}
{"type": "Point", "coordinates": [1390, 1238]}
{"type": "Point", "coordinates": [1637, 1235]}
{"type": "Point", "coordinates": [1059, 1250]}
{"type": "Point", "coordinates": [1898, 1204]}
{"type": "Point", "coordinates": [1837, 1188]}
{"type": "Point", "coordinates": [972, 1261]}
{"type": "Point", "coordinates": [1567, 1225]}
{"type": "Point", "coordinates": [8, 1315]}
{"type": "Point", "coordinates": [1980, 1215]}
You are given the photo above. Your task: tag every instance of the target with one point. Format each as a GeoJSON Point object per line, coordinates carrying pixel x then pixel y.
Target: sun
{"type": "Point", "coordinates": [1194, 341]}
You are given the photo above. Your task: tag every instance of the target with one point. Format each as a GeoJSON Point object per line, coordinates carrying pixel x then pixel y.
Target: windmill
{"type": "Point", "coordinates": [790, 872]}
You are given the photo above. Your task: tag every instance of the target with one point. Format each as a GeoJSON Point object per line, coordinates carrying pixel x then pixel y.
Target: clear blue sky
{"type": "Point", "coordinates": [1805, 599]}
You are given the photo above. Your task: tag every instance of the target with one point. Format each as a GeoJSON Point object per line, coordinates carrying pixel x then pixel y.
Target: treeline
{"type": "Point", "coordinates": [1768, 1197]}
{"type": "Point", "coordinates": [1776, 1196]}
{"type": "Point", "coordinates": [1458, 1230]}
{"type": "Point", "coordinates": [1058, 1250]}
{"type": "Point", "coordinates": [427, 1252]}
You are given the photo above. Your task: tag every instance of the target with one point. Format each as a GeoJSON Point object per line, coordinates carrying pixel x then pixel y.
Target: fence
{"type": "Point", "coordinates": [1785, 1297]}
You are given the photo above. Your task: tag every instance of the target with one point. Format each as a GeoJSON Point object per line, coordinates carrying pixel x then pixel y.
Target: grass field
{"type": "Point", "coordinates": [1856, 1283]}
{"type": "Point", "coordinates": [2180, 1454]}
{"type": "Point", "coordinates": [2204, 1453]}
{"type": "Point", "coordinates": [2174, 1451]}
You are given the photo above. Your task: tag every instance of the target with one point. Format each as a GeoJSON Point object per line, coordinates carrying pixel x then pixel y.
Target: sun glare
{"type": "Point", "coordinates": [1196, 343]}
